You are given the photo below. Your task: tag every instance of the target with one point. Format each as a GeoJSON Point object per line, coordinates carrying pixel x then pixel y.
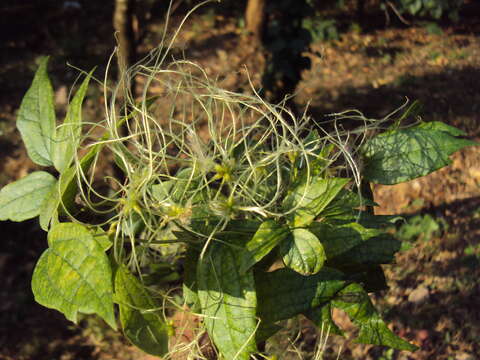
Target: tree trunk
{"type": "Point", "coordinates": [126, 54]}
{"type": "Point", "coordinates": [254, 19]}
{"type": "Point", "coordinates": [285, 42]}
{"type": "Point", "coordinates": [360, 11]}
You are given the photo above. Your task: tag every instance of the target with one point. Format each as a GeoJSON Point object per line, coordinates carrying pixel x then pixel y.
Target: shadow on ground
{"type": "Point", "coordinates": [28, 330]}
{"type": "Point", "coordinates": [446, 319]}
{"type": "Point", "coordinates": [451, 96]}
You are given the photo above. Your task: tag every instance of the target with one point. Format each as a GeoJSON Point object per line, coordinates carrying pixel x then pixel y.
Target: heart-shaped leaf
{"type": "Point", "coordinates": [74, 275]}
{"type": "Point", "coordinates": [303, 252]}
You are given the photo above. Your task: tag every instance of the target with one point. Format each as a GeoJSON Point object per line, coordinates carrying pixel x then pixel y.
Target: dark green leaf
{"type": "Point", "coordinates": [228, 301]}
{"type": "Point", "coordinates": [268, 235]}
{"type": "Point", "coordinates": [67, 137]}
{"type": "Point", "coordinates": [303, 252]}
{"type": "Point", "coordinates": [371, 277]}
{"type": "Point", "coordinates": [266, 330]}
{"type": "Point", "coordinates": [141, 317]}
{"type": "Point", "coordinates": [160, 273]}
{"type": "Point", "coordinates": [285, 293]}
{"type": "Point", "coordinates": [322, 317]}
{"type": "Point", "coordinates": [338, 240]}
{"type": "Point", "coordinates": [402, 155]}
{"type": "Point", "coordinates": [36, 117]}
{"type": "Point", "coordinates": [346, 205]}
{"type": "Point", "coordinates": [373, 330]}
{"type": "Point", "coordinates": [190, 288]}
{"type": "Point", "coordinates": [376, 250]}
{"type": "Point", "coordinates": [22, 199]}
{"type": "Point", "coordinates": [378, 221]}
{"type": "Point", "coordinates": [74, 274]}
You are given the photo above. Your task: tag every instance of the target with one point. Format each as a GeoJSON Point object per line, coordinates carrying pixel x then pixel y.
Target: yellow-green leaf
{"type": "Point", "coordinates": [74, 275]}
{"type": "Point", "coordinates": [303, 252]}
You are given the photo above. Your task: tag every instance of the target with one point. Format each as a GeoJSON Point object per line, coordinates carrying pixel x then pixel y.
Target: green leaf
{"type": "Point", "coordinates": [346, 205]}
{"type": "Point", "coordinates": [49, 208]}
{"type": "Point", "coordinates": [266, 330]}
{"type": "Point", "coordinates": [22, 199]}
{"type": "Point", "coordinates": [415, 7]}
{"type": "Point", "coordinates": [102, 238]}
{"type": "Point", "coordinates": [373, 330]}
{"type": "Point", "coordinates": [371, 277]}
{"type": "Point", "coordinates": [303, 252]}
{"type": "Point", "coordinates": [318, 156]}
{"type": "Point", "coordinates": [346, 208]}
{"type": "Point", "coordinates": [403, 155]}
{"type": "Point", "coordinates": [74, 274]}
{"type": "Point", "coordinates": [68, 135]}
{"type": "Point", "coordinates": [377, 250]}
{"type": "Point", "coordinates": [190, 288]}
{"type": "Point", "coordinates": [378, 221]}
{"type": "Point", "coordinates": [439, 126]}
{"type": "Point", "coordinates": [61, 198]}
{"type": "Point", "coordinates": [310, 198]}
{"type": "Point", "coordinates": [322, 318]}
{"type": "Point", "coordinates": [269, 234]}
{"type": "Point", "coordinates": [338, 240]}
{"type": "Point", "coordinates": [160, 273]}
{"type": "Point", "coordinates": [285, 293]}
{"type": "Point", "coordinates": [36, 117]}
{"type": "Point", "coordinates": [163, 190]}
{"type": "Point", "coordinates": [140, 316]}
{"type": "Point", "coordinates": [228, 302]}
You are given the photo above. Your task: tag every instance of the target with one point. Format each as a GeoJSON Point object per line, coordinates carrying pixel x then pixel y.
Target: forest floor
{"type": "Point", "coordinates": [434, 284]}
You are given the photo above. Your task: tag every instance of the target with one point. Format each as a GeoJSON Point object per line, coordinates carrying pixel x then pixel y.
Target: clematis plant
{"type": "Point", "coordinates": [222, 205]}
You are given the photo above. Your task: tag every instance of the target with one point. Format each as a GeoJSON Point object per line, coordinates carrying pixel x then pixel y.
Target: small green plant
{"type": "Point", "coordinates": [321, 29]}
{"type": "Point", "coordinates": [432, 8]}
{"type": "Point", "coordinates": [257, 216]}
{"type": "Point", "coordinates": [419, 227]}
